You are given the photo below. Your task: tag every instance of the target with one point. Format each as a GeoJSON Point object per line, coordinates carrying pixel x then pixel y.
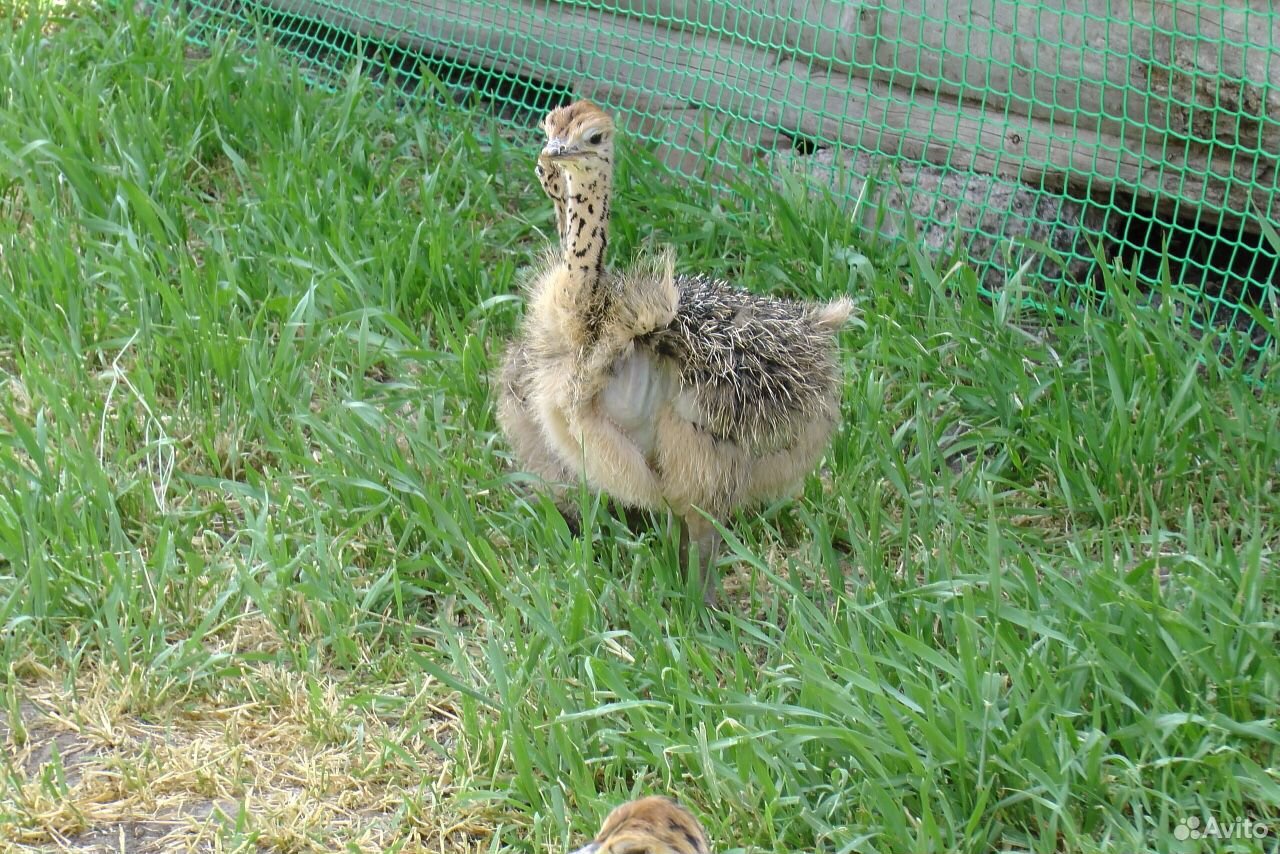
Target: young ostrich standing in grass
{"type": "Point", "coordinates": [662, 390]}
{"type": "Point", "coordinates": [649, 826]}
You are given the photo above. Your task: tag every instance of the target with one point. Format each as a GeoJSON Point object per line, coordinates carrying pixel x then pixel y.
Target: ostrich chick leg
{"type": "Point", "coordinates": [699, 545]}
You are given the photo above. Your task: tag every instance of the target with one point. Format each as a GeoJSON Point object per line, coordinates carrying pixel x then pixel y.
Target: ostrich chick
{"type": "Point", "coordinates": [649, 826]}
{"type": "Point", "coordinates": [659, 389]}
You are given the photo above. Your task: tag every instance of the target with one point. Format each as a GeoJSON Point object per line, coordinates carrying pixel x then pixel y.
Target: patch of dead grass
{"type": "Point", "coordinates": [276, 760]}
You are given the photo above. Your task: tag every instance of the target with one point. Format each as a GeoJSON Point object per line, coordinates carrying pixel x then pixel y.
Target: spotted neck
{"type": "Point", "coordinates": [552, 179]}
{"type": "Point", "coordinates": [586, 230]}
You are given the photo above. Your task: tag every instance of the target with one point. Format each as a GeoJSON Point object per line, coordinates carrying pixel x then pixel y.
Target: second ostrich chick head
{"type": "Point", "coordinates": [579, 139]}
{"type": "Point", "coordinates": [653, 825]}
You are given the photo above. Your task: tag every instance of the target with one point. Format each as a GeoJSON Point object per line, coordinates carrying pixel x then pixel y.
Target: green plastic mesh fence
{"type": "Point", "coordinates": [1041, 136]}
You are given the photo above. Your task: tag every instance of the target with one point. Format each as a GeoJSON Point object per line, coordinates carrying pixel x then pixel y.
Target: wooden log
{"type": "Point", "coordinates": [1076, 59]}
{"type": "Point", "coordinates": [1093, 129]}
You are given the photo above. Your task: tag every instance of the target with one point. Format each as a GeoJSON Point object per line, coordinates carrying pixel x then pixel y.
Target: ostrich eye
{"type": "Point", "coordinates": [595, 138]}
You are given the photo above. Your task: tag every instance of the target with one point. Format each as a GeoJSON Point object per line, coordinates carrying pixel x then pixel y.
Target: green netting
{"type": "Point", "coordinates": [1148, 130]}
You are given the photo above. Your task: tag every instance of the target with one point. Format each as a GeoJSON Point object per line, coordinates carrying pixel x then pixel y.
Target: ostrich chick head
{"type": "Point", "coordinates": [579, 139]}
{"type": "Point", "coordinates": [652, 825]}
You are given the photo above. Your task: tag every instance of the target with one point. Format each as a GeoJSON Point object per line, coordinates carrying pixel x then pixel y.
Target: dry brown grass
{"type": "Point", "coordinates": [277, 761]}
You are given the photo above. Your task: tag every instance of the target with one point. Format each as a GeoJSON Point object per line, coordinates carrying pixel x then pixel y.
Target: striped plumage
{"type": "Point", "coordinates": [759, 367]}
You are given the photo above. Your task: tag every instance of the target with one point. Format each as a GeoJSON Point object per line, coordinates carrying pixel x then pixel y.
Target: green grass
{"type": "Point", "coordinates": [1031, 601]}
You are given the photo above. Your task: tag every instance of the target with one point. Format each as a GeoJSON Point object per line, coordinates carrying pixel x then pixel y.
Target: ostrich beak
{"type": "Point", "coordinates": [558, 149]}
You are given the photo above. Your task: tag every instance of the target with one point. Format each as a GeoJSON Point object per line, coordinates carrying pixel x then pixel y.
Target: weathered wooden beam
{"type": "Point", "coordinates": [1178, 104]}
